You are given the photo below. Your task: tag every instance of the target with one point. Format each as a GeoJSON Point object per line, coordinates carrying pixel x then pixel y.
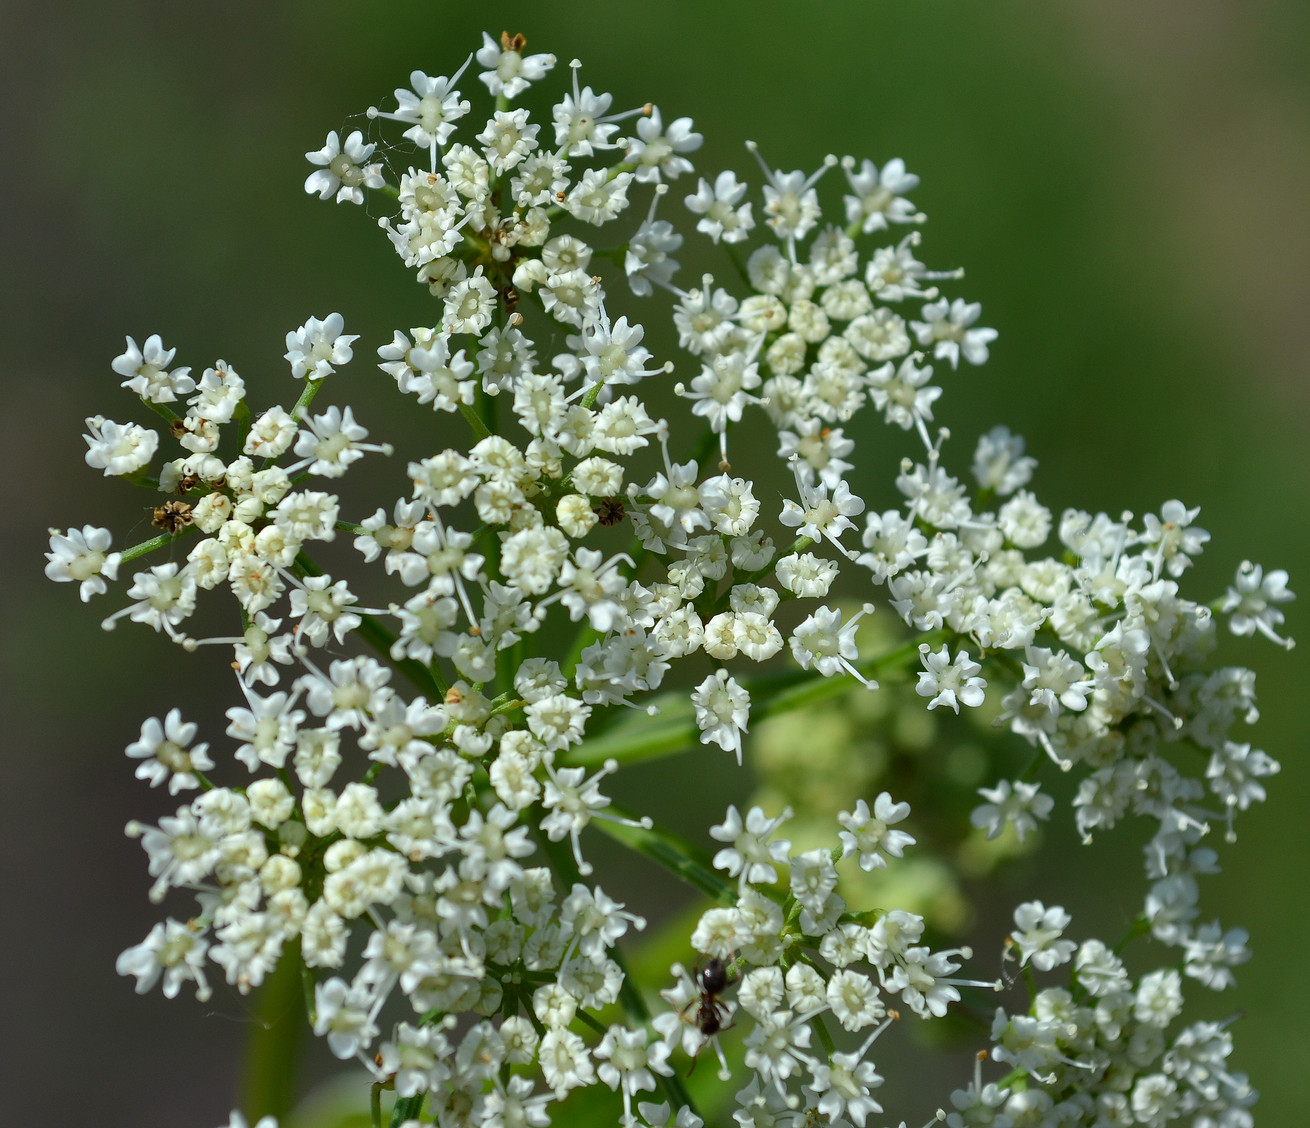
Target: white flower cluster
{"type": "Point", "coordinates": [520, 622]}
{"type": "Point", "coordinates": [1098, 1051]}
{"type": "Point", "coordinates": [808, 957]}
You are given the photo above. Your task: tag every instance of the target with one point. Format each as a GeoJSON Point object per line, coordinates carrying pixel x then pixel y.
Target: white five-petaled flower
{"type": "Point", "coordinates": [1175, 539]}
{"type": "Point", "coordinates": [1250, 602]}
{"type": "Point", "coordinates": [657, 152]}
{"type": "Point", "coordinates": [317, 347]}
{"type": "Point", "coordinates": [722, 710]}
{"type": "Point", "coordinates": [433, 105]}
{"type": "Point", "coordinates": [82, 556]}
{"type": "Point", "coordinates": [869, 834]}
{"type": "Point", "coordinates": [628, 1063]}
{"type": "Point", "coordinates": [878, 197]}
{"type": "Point", "coordinates": [1020, 803]}
{"type": "Point", "coordinates": [330, 442]}
{"type": "Point", "coordinates": [1037, 934]}
{"type": "Point", "coordinates": [343, 169]}
{"type": "Point", "coordinates": [146, 369]}
{"type": "Point", "coordinates": [723, 215]}
{"type": "Point", "coordinates": [950, 683]}
{"type": "Point", "coordinates": [945, 329]}
{"type": "Point", "coordinates": [817, 515]}
{"type": "Point", "coordinates": [827, 644]}
{"type": "Point", "coordinates": [166, 753]}
{"type": "Point", "coordinates": [508, 71]}
{"type": "Point", "coordinates": [174, 950]}
{"type": "Point", "coordinates": [752, 855]}
{"type": "Point", "coordinates": [118, 448]}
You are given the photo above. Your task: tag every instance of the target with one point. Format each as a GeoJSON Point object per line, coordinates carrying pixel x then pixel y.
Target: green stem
{"type": "Point", "coordinates": [676, 854]}
{"type": "Point", "coordinates": [825, 1039]}
{"type": "Point", "coordinates": [162, 410]}
{"type": "Point", "coordinates": [273, 1051]}
{"type": "Point", "coordinates": [635, 1006]}
{"type": "Point", "coordinates": [1140, 927]}
{"type": "Point", "coordinates": [561, 862]}
{"type": "Point", "coordinates": [406, 1108]}
{"type": "Point", "coordinates": [139, 550]}
{"type": "Point", "coordinates": [675, 730]}
{"type": "Point", "coordinates": [475, 420]}
{"type": "Point", "coordinates": [309, 992]}
{"type": "Point", "coordinates": [306, 398]}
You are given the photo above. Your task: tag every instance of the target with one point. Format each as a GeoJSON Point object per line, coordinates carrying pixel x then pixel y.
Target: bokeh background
{"type": "Point", "coordinates": [1126, 183]}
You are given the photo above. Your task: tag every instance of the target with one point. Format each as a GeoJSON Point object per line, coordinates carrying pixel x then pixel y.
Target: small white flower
{"type": "Point", "coordinates": [507, 71]}
{"type": "Point", "coordinates": [950, 683]}
{"type": "Point", "coordinates": [656, 151]}
{"type": "Point", "coordinates": [174, 950]}
{"type": "Point", "coordinates": [118, 448]}
{"type": "Point", "coordinates": [343, 170]}
{"type": "Point", "coordinates": [1037, 935]}
{"type": "Point", "coordinates": [317, 346]}
{"type": "Point", "coordinates": [878, 198]}
{"type": "Point", "coordinates": [752, 855]}
{"type": "Point", "coordinates": [164, 753]}
{"type": "Point", "coordinates": [723, 214]}
{"type": "Point", "coordinates": [722, 710]}
{"type": "Point", "coordinates": [1022, 804]}
{"type": "Point", "coordinates": [1250, 602]}
{"type": "Point", "coordinates": [82, 556]}
{"type": "Point", "coordinates": [147, 374]}
{"type": "Point", "coordinates": [869, 834]}
{"type": "Point", "coordinates": [343, 1015]}
{"type": "Point", "coordinates": [945, 327]}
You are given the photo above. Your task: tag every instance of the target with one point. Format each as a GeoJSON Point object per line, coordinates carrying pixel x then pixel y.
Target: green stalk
{"type": "Point", "coordinates": [138, 550]}
{"type": "Point", "coordinates": [273, 1050]}
{"type": "Point", "coordinates": [475, 420]}
{"type": "Point", "coordinates": [406, 1108]}
{"type": "Point", "coordinates": [635, 1006]}
{"type": "Point", "coordinates": [674, 730]}
{"type": "Point", "coordinates": [674, 853]}
{"type": "Point", "coordinates": [306, 398]}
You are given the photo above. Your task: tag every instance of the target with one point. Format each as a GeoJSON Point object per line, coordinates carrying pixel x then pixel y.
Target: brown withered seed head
{"type": "Point", "coordinates": [610, 511]}
{"type": "Point", "coordinates": [172, 516]}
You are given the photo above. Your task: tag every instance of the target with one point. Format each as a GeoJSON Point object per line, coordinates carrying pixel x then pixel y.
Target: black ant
{"type": "Point", "coordinates": [711, 1011]}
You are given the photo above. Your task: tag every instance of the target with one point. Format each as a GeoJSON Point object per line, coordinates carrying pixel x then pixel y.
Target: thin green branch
{"type": "Point", "coordinates": [406, 1108]}
{"type": "Point", "coordinates": [147, 546]}
{"type": "Point", "coordinates": [273, 1051]}
{"type": "Point", "coordinates": [475, 420]}
{"type": "Point", "coordinates": [306, 398]}
{"type": "Point", "coordinates": [635, 1006]}
{"type": "Point", "coordinates": [676, 854]}
{"type": "Point", "coordinates": [674, 730]}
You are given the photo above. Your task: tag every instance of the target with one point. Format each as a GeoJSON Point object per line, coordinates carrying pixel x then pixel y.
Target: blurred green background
{"type": "Point", "coordinates": [1126, 183]}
